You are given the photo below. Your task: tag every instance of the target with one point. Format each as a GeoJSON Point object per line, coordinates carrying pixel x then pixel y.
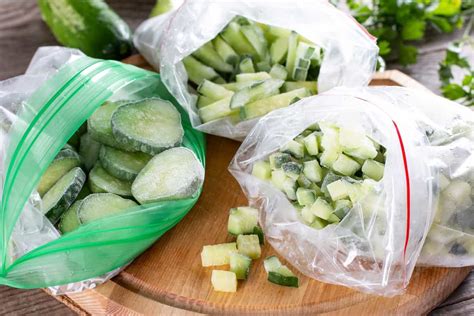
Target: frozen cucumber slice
{"type": "Point", "coordinates": [271, 263]}
{"type": "Point", "coordinates": [70, 220]}
{"type": "Point", "coordinates": [249, 245]}
{"type": "Point", "coordinates": [246, 65]}
{"type": "Point", "coordinates": [207, 54]}
{"type": "Point", "coordinates": [216, 110]}
{"type": "Point", "coordinates": [278, 158]}
{"type": "Point", "coordinates": [121, 164]}
{"type": "Point", "coordinates": [217, 255]}
{"type": "Point", "coordinates": [278, 273]}
{"type": "Point", "coordinates": [240, 265]}
{"type": "Point", "coordinates": [64, 161]}
{"type": "Point", "coordinates": [256, 38]}
{"type": "Point", "coordinates": [313, 171]}
{"type": "Point", "coordinates": [242, 220]}
{"type": "Point", "coordinates": [233, 36]}
{"type": "Point", "coordinates": [322, 209]}
{"type": "Point", "coordinates": [292, 169]}
{"type": "Point", "coordinates": [253, 77]}
{"type": "Point", "coordinates": [312, 86]}
{"type": "Point", "coordinates": [100, 181]}
{"type": "Point", "coordinates": [213, 90]}
{"type": "Point", "coordinates": [278, 50]}
{"type": "Point", "coordinates": [373, 169]}
{"type": "Point", "coordinates": [262, 170]}
{"type": "Point", "coordinates": [278, 72]}
{"type": "Point", "coordinates": [338, 189]}
{"type": "Point", "coordinates": [255, 92]}
{"type": "Point", "coordinates": [291, 55]}
{"type": "Point", "coordinates": [62, 194]}
{"type": "Point", "coordinates": [224, 281]}
{"type": "Point", "coordinates": [89, 151]}
{"type": "Point", "coordinates": [203, 101]}
{"type": "Point", "coordinates": [226, 51]}
{"type": "Point", "coordinates": [173, 174]}
{"type": "Point", "coordinates": [305, 196]}
{"type": "Point", "coordinates": [198, 72]}
{"type": "Point", "coordinates": [345, 165]}
{"type": "Point", "coordinates": [150, 125]}
{"type": "Point", "coordinates": [101, 205]}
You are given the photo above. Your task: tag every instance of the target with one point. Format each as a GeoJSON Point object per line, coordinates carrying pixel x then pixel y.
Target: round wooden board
{"type": "Point", "coordinates": [170, 272]}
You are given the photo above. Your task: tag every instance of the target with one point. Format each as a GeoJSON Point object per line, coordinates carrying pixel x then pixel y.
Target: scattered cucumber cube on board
{"type": "Point", "coordinates": [278, 273]}
{"type": "Point", "coordinates": [224, 281]}
{"type": "Point", "coordinates": [249, 245]}
{"type": "Point", "coordinates": [240, 265]}
{"type": "Point", "coordinates": [242, 220]}
{"type": "Point", "coordinates": [217, 255]}
{"type": "Point", "coordinates": [100, 205]}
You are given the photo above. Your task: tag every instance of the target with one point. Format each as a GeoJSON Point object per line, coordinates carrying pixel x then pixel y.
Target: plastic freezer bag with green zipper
{"type": "Point", "coordinates": [43, 118]}
{"type": "Point", "coordinates": [250, 32]}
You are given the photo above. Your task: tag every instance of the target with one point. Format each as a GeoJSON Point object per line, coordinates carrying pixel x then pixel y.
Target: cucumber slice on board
{"type": "Point", "coordinates": [242, 220]}
{"type": "Point", "coordinates": [100, 181]}
{"type": "Point", "coordinates": [65, 160]}
{"type": "Point", "coordinates": [70, 220]}
{"type": "Point", "coordinates": [198, 72]}
{"type": "Point", "coordinates": [224, 281]}
{"type": "Point", "coordinates": [101, 205]}
{"type": "Point", "coordinates": [173, 174]}
{"type": "Point", "coordinates": [207, 54]}
{"type": "Point", "coordinates": [217, 255]}
{"type": "Point", "coordinates": [150, 125]}
{"type": "Point", "coordinates": [121, 164]}
{"type": "Point", "coordinates": [89, 151]}
{"type": "Point", "coordinates": [62, 194]}
{"type": "Point", "coordinates": [255, 92]}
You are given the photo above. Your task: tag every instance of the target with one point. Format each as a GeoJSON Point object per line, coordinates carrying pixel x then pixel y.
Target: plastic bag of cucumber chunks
{"type": "Point", "coordinates": [98, 161]}
{"type": "Point", "coordinates": [348, 183]}
{"type": "Point", "coordinates": [230, 62]}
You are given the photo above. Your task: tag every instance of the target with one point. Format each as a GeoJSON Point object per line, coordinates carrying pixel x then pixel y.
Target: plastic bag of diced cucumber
{"type": "Point", "coordinates": [97, 163]}
{"type": "Point", "coordinates": [230, 62]}
{"type": "Point", "coordinates": [348, 183]}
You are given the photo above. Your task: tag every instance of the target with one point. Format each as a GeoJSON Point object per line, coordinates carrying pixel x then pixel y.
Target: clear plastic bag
{"type": "Point", "coordinates": [39, 112]}
{"type": "Point", "coordinates": [349, 51]}
{"type": "Point", "coordinates": [376, 245]}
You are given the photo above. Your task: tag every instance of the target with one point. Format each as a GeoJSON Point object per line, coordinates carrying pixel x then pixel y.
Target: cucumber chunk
{"type": "Point", "coordinates": [101, 205]}
{"type": "Point", "coordinates": [224, 281]}
{"type": "Point", "coordinates": [150, 125]}
{"type": "Point", "coordinates": [355, 143]}
{"type": "Point", "coordinates": [233, 36]}
{"type": "Point", "coordinates": [262, 170]}
{"type": "Point", "coordinates": [217, 255]}
{"type": "Point", "coordinates": [89, 151]}
{"type": "Point", "coordinates": [322, 209]}
{"type": "Point", "coordinates": [256, 38]}
{"type": "Point", "coordinates": [278, 72]}
{"type": "Point", "coordinates": [100, 181]}
{"type": "Point", "coordinates": [312, 86]}
{"type": "Point", "coordinates": [173, 174]}
{"type": "Point", "coordinates": [278, 273]}
{"type": "Point", "coordinates": [255, 92]}
{"type": "Point", "coordinates": [338, 189]}
{"type": "Point", "coordinates": [264, 66]}
{"type": "Point", "coordinates": [292, 169]}
{"type": "Point", "coordinates": [217, 110]}
{"type": "Point", "coordinates": [254, 77]}
{"type": "Point", "coordinates": [226, 51]}
{"type": "Point", "coordinates": [307, 214]}
{"type": "Point", "coordinates": [198, 72]}
{"type": "Point", "coordinates": [373, 169]}
{"type": "Point", "coordinates": [278, 179]}
{"type": "Point", "coordinates": [246, 65]}
{"type": "Point", "coordinates": [291, 55]}
{"type": "Point", "coordinates": [289, 187]}
{"type": "Point", "coordinates": [342, 207]}
{"type": "Point", "coordinates": [213, 90]}
{"type": "Point", "coordinates": [345, 165]}
{"type": "Point", "coordinates": [210, 57]}
{"type": "Point", "coordinates": [278, 50]}
{"type": "Point", "coordinates": [64, 161]}
{"type": "Point", "coordinates": [271, 263]}
{"type": "Point", "coordinates": [240, 265]}
{"type": "Point", "coordinates": [62, 194]}
{"type": "Point", "coordinates": [242, 220]}
{"type": "Point", "coordinates": [293, 148]}
{"type": "Point", "coordinates": [121, 164]}
{"type": "Point", "coordinates": [313, 171]}
{"type": "Point", "coordinates": [311, 144]}
{"type": "Point", "coordinates": [70, 220]}
{"type": "Point", "coordinates": [278, 159]}
{"type": "Point", "coordinates": [249, 245]}
{"type": "Point", "coordinates": [305, 196]}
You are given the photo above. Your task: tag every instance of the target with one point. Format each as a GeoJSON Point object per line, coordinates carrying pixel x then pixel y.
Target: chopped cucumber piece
{"type": "Point", "coordinates": [100, 181]}
{"type": "Point", "coordinates": [304, 182]}
{"type": "Point", "coordinates": [254, 77]}
{"type": "Point", "coordinates": [338, 189]}
{"type": "Point", "coordinates": [217, 255]}
{"type": "Point", "coordinates": [333, 218]}
{"type": "Point", "coordinates": [150, 125]}
{"type": "Point", "coordinates": [210, 57]}
{"type": "Point", "coordinates": [262, 170]}
{"type": "Point", "coordinates": [278, 178]}
{"type": "Point", "coordinates": [242, 220]}
{"type": "Point", "coordinates": [355, 143]}
{"type": "Point", "coordinates": [271, 263]}
{"type": "Point", "coordinates": [307, 214]}
{"type": "Point", "coordinates": [224, 281]}
{"type": "Point", "coordinates": [312, 86]}
{"type": "Point", "coordinates": [319, 223]}
{"type": "Point", "coordinates": [329, 156]}
{"type": "Point", "coordinates": [259, 232]}
{"type": "Point", "coordinates": [277, 159]}
{"type": "Point", "coordinates": [101, 205]}
{"type": "Point", "coordinates": [62, 194]}
{"type": "Point", "coordinates": [278, 273]}
{"type": "Point", "coordinates": [313, 171]}
{"type": "Point", "coordinates": [291, 55]}
{"type": "Point", "coordinates": [236, 86]}
{"type": "Point", "coordinates": [322, 209]}
{"type": "Point", "coordinates": [256, 38]}
{"type": "Point", "coordinates": [300, 74]}
{"type": "Point", "coordinates": [240, 265]}
{"type": "Point", "coordinates": [226, 51]}
{"type": "Point", "coordinates": [264, 66]}
{"type": "Point", "coordinates": [89, 151]}
{"type": "Point", "coordinates": [264, 106]}
{"type": "Point", "coordinates": [342, 207]}
{"type": "Point", "coordinates": [373, 169]}
{"type": "Point", "coordinates": [275, 32]}
{"type": "Point", "coordinates": [198, 72]}
{"type": "Point", "coordinates": [279, 72]}
{"type": "Point", "coordinates": [294, 148]}
{"type": "Point", "coordinates": [233, 36]}
{"type": "Point", "coordinates": [121, 164]}
{"type": "Point", "coordinates": [213, 90]}
{"type": "Point", "coordinates": [255, 92]}
{"type": "Point", "coordinates": [246, 65]}
{"type": "Point", "coordinates": [249, 245]}
{"type": "Point", "coordinates": [64, 161]}
{"type": "Point", "coordinates": [69, 219]}
{"type": "Point", "coordinates": [345, 165]}
{"type": "Point", "coordinates": [203, 101]}
{"type": "Point", "coordinates": [278, 50]}
{"type": "Point", "coordinates": [173, 174]}
{"type": "Point", "coordinates": [305, 196]}
{"type": "Point", "coordinates": [289, 187]}
{"type": "Point", "coordinates": [311, 144]}
{"type": "Point", "coordinates": [292, 169]}
{"type": "Point", "coordinates": [217, 110]}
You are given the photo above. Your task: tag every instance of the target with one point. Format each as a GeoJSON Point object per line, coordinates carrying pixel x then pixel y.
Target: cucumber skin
{"type": "Point", "coordinates": [279, 279]}
{"type": "Point", "coordinates": [89, 25]}
{"type": "Point", "coordinates": [66, 226]}
{"type": "Point", "coordinates": [96, 188]}
{"type": "Point", "coordinates": [116, 170]}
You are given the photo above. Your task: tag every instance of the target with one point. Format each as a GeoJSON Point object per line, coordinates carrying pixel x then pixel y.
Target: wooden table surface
{"type": "Point", "coordinates": [22, 32]}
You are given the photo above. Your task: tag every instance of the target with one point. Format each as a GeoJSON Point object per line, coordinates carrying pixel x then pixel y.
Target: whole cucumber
{"type": "Point", "coordinates": [89, 25]}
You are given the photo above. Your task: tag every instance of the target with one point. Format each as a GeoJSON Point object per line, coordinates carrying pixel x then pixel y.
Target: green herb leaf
{"type": "Point", "coordinates": [413, 30]}
{"type": "Point", "coordinates": [408, 54]}
{"type": "Point", "coordinates": [453, 91]}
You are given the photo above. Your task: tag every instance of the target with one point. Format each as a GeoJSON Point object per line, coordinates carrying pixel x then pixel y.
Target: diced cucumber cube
{"type": "Point", "coordinates": [224, 281]}
{"type": "Point", "coordinates": [292, 169]}
{"type": "Point", "coordinates": [307, 214]}
{"type": "Point", "coordinates": [254, 77]}
{"type": "Point", "coordinates": [357, 191]}
{"type": "Point", "coordinates": [319, 223]}
{"type": "Point", "coordinates": [283, 276]}
{"type": "Point", "coordinates": [338, 189]}
{"type": "Point", "coordinates": [322, 209]}
{"type": "Point", "coordinates": [262, 170]}
{"type": "Point", "coordinates": [373, 169]}
{"type": "Point", "coordinates": [217, 255]}
{"type": "Point", "coordinates": [271, 263]}
{"type": "Point", "coordinates": [278, 158]}
{"type": "Point", "coordinates": [246, 65]}
{"type": "Point", "coordinates": [278, 179]}
{"type": "Point", "coordinates": [278, 72]}
{"type": "Point", "coordinates": [312, 170]}
{"type": "Point", "coordinates": [311, 144]}
{"type": "Point", "coordinates": [242, 220]}
{"type": "Point", "coordinates": [342, 207]}
{"type": "Point", "coordinates": [355, 143]}
{"type": "Point", "coordinates": [249, 245]}
{"type": "Point", "coordinates": [345, 165]}
{"type": "Point", "coordinates": [316, 189]}
{"type": "Point", "coordinates": [329, 156]}
{"type": "Point", "coordinates": [294, 148]}
{"type": "Point", "coordinates": [213, 90]}
{"type": "Point", "coordinates": [304, 182]}
{"type": "Point", "coordinates": [305, 196]}
{"type": "Point", "coordinates": [240, 265]}
{"type": "Point", "coordinates": [289, 187]}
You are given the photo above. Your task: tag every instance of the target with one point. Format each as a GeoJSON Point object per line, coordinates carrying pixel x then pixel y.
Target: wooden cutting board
{"type": "Point", "coordinates": [168, 278]}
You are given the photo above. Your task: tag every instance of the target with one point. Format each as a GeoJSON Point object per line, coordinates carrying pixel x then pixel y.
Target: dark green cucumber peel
{"type": "Point", "coordinates": [121, 164]}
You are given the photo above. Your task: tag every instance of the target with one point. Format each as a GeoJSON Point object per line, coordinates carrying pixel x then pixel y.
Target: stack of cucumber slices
{"type": "Point", "coordinates": [250, 69]}
{"type": "Point", "coordinates": [324, 171]}
{"type": "Point", "coordinates": [243, 223]}
{"type": "Point", "coordinates": [127, 154]}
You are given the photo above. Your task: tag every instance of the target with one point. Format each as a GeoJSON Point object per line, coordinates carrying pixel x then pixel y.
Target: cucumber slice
{"type": "Point", "coordinates": [278, 72]}
{"type": "Point", "coordinates": [345, 165]}
{"type": "Point", "coordinates": [271, 263]}
{"type": "Point", "coordinates": [217, 110]}
{"type": "Point", "coordinates": [313, 171]}
{"type": "Point", "coordinates": [62, 194]}
{"type": "Point", "coordinates": [173, 174]}
{"type": "Point", "coordinates": [64, 161]}
{"type": "Point", "coordinates": [305, 196]}
{"type": "Point", "coordinates": [240, 265]}
{"type": "Point", "coordinates": [342, 207]}
{"type": "Point", "coordinates": [246, 65]}
{"type": "Point", "coordinates": [249, 245]}
{"type": "Point", "coordinates": [225, 51]}
{"type": "Point", "coordinates": [236, 86]}
{"type": "Point", "coordinates": [255, 92]}
{"type": "Point", "coordinates": [89, 151]}
{"type": "Point", "coordinates": [101, 205]}
{"type": "Point", "coordinates": [338, 189]}
{"type": "Point", "coordinates": [293, 148]}
{"type": "Point", "coordinates": [210, 57]}
{"type": "Point", "coordinates": [311, 144]}
{"type": "Point", "coordinates": [277, 159]}
{"type": "Point", "coordinates": [262, 170]}
{"type": "Point", "coordinates": [292, 169]}
{"type": "Point", "coordinates": [264, 66]}
{"type": "Point", "coordinates": [121, 164]}
{"type": "Point", "coordinates": [100, 181]}
{"type": "Point", "coordinates": [150, 125]}
{"type": "Point", "coordinates": [355, 143]}
{"type": "Point", "coordinates": [224, 281]}
{"type": "Point", "coordinates": [213, 90]}
{"type": "Point", "coordinates": [234, 37]}
{"type": "Point", "coordinates": [291, 55]}
{"type": "Point", "coordinates": [373, 169]}
{"type": "Point", "coordinates": [264, 106]}
{"type": "Point", "coordinates": [283, 276]}
{"type": "Point", "coordinates": [312, 86]}
{"type": "Point", "coordinates": [203, 101]}
{"type": "Point", "coordinates": [242, 220]}
{"type": "Point", "coordinates": [289, 187]}
{"type": "Point", "coordinates": [198, 72]}
{"type": "Point", "coordinates": [322, 209]}
{"type": "Point", "coordinates": [307, 214]}
{"type": "Point", "coordinates": [279, 50]}
{"type": "Point", "coordinates": [256, 38]}
{"type": "Point", "coordinates": [70, 220]}
{"type": "Point", "coordinates": [319, 223]}
{"type": "Point", "coordinates": [217, 255]}
{"type": "Point", "coordinates": [254, 77]}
